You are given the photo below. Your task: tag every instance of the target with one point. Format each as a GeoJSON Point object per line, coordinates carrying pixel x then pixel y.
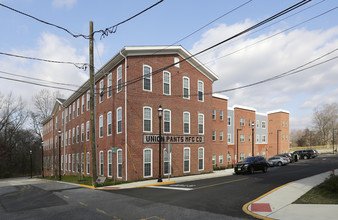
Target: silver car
{"type": "Point", "coordinates": [278, 160]}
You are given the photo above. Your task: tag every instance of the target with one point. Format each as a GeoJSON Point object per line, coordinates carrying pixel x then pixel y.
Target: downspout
{"type": "Point", "coordinates": [125, 116]}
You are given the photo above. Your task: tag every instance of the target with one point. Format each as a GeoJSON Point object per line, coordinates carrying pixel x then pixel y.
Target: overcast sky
{"type": "Point", "coordinates": [288, 42]}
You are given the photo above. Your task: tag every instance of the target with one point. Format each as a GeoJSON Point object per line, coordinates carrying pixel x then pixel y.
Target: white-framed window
{"type": "Point", "coordinates": [242, 156]}
{"type": "Point", "coordinates": [283, 123]}
{"type": "Point", "coordinates": [186, 159]}
{"type": "Point", "coordinates": [119, 163]}
{"type": "Point", "coordinates": [70, 112]}
{"type": "Point", "coordinates": [66, 114]}
{"type": "Point", "coordinates": [286, 137]}
{"type": "Point", "coordinates": [229, 121]}
{"type": "Point", "coordinates": [213, 159]}
{"type": "Point", "coordinates": [109, 125]}
{"type": "Point", "coordinates": [101, 91]}
{"type": "Point", "coordinates": [82, 104]}
{"type": "Point", "coordinates": [88, 100]}
{"type": "Point", "coordinates": [147, 77]}
{"type": "Point", "coordinates": [283, 137]}
{"type": "Point", "coordinates": [242, 122]}
{"type": "Point", "coordinates": [62, 117]}
{"type": "Point", "coordinates": [176, 61]}
{"type": "Point", "coordinates": [66, 164]}
{"type": "Point", "coordinates": [109, 84]}
{"type": "Point", "coordinates": [242, 138]}
{"type": "Point", "coordinates": [221, 135]}
{"type": "Point", "coordinates": [214, 135]}
{"type": "Point", "coordinates": [101, 163]}
{"type": "Point", "coordinates": [88, 162]}
{"type": "Point", "coordinates": [200, 158]}
{"type": "Point", "coordinates": [147, 119]}
{"type": "Point", "coordinates": [221, 115]}
{"type": "Point", "coordinates": [73, 110]}
{"type": "Point", "coordinates": [166, 83]}
{"type": "Point", "coordinates": [69, 163]}
{"type": "Point", "coordinates": [101, 126]}
{"type": "Point", "coordinates": [229, 157]}
{"type": "Point", "coordinates": [119, 79]}
{"type": "Point", "coordinates": [200, 123]}
{"type": "Point", "coordinates": [73, 162]}
{"type": "Point", "coordinates": [263, 124]}
{"type": "Point", "coordinates": [200, 88]}
{"type": "Point", "coordinates": [257, 123]}
{"type": "Point", "coordinates": [69, 137]}
{"type": "Point", "coordinates": [61, 162]}
{"type": "Point", "coordinates": [56, 122]}
{"type": "Point", "coordinates": [77, 134]}
{"type": "Point", "coordinates": [87, 130]}
{"type": "Point", "coordinates": [220, 159]}
{"type": "Point", "coordinates": [257, 138]}
{"type": "Point", "coordinates": [66, 138]}
{"type": "Point", "coordinates": [263, 138]}
{"type": "Point", "coordinates": [186, 122]}
{"type": "Point", "coordinates": [73, 135]}
{"type": "Point", "coordinates": [119, 120]}
{"type": "Point", "coordinates": [77, 107]}
{"type": "Point", "coordinates": [186, 87]}
{"type": "Point", "coordinates": [213, 114]}
{"type": "Point", "coordinates": [82, 162]}
{"type": "Point", "coordinates": [82, 132]}
{"type": "Point", "coordinates": [77, 163]}
{"type": "Point", "coordinates": [110, 163]}
{"type": "Point", "coordinates": [166, 162]}
{"type": "Point", "coordinates": [147, 162]}
{"type": "Point", "coordinates": [229, 137]}
{"type": "Point", "coordinates": [166, 121]}
{"type": "Point", "coordinates": [286, 123]}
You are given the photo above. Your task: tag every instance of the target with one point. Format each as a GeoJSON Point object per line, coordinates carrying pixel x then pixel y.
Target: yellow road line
{"type": "Point", "coordinates": [217, 184]}
{"type": "Point", "coordinates": [246, 210]}
{"type": "Point", "coordinates": [157, 184]}
{"type": "Point", "coordinates": [101, 211]}
{"type": "Point", "coordinates": [67, 197]}
{"type": "Point", "coordinates": [91, 187]}
{"type": "Point", "coordinates": [84, 204]}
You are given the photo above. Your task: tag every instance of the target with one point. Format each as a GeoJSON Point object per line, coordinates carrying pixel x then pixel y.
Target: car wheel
{"type": "Point", "coordinates": [265, 169]}
{"type": "Point", "coordinates": [279, 163]}
{"type": "Point", "coordinates": [305, 157]}
{"type": "Point", "coordinates": [251, 170]}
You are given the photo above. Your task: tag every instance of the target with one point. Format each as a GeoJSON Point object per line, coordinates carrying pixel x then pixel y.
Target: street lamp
{"type": "Point", "coordinates": [253, 138]}
{"type": "Point", "coordinates": [278, 140]}
{"type": "Point", "coordinates": [30, 154]}
{"type": "Point", "coordinates": [238, 129]}
{"type": "Point", "coordinates": [59, 154]}
{"type": "Point", "coordinates": [160, 111]}
{"type": "Point", "coordinates": [42, 174]}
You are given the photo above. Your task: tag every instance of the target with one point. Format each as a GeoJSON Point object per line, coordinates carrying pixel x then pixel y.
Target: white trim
{"type": "Point", "coordinates": [151, 162]}
{"type": "Point", "coordinates": [151, 119]}
{"type": "Point", "coordinates": [109, 83]}
{"type": "Point", "coordinates": [198, 124]}
{"type": "Point", "coordinates": [101, 170]}
{"type": "Point", "coordinates": [100, 136]}
{"type": "Point", "coordinates": [117, 79]}
{"type": "Point", "coordinates": [185, 77]}
{"type": "Point", "coordinates": [111, 153]}
{"type": "Point", "coordinates": [198, 159]}
{"type": "Point", "coordinates": [189, 123]}
{"type": "Point", "coordinates": [169, 82]}
{"type": "Point", "coordinates": [150, 77]}
{"type": "Point", "coordinates": [244, 107]}
{"type": "Point", "coordinates": [117, 120]}
{"type": "Point", "coordinates": [184, 159]}
{"type": "Point", "coordinates": [111, 123]}
{"type": "Point", "coordinates": [117, 163]}
{"type": "Point", "coordinates": [220, 96]}
{"type": "Point", "coordinates": [278, 111]}
{"type": "Point", "coordinates": [200, 81]}
{"type": "Point", "coordinates": [169, 121]}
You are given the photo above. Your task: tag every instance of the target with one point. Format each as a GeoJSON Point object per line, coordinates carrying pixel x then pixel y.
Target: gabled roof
{"type": "Point", "coordinates": [58, 103]}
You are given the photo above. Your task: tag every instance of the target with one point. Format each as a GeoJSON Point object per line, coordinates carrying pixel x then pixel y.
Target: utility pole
{"type": "Point", "coordinates": [92, 93]}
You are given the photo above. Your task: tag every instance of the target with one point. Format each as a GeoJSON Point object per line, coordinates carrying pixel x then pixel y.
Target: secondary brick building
{"type": "Point", "coordinates": [129, 91]}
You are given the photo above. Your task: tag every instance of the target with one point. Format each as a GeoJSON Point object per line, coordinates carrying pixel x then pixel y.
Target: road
{"type": "Point", "coordinates": [218, 198]}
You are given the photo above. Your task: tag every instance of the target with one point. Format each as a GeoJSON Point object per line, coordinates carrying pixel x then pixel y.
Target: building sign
{"type": "Point", "coordinates": [173, 139]}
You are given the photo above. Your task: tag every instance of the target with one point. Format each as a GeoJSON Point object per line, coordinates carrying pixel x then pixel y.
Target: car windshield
{"type": "Point", "coordinates": [249, 159]}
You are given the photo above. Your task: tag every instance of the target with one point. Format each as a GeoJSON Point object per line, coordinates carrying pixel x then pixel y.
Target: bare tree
{"type": "Point", "coordinates": [325, 120]}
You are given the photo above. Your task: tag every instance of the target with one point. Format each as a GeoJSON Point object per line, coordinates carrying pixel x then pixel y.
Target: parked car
{"type": "Point", "coordinates": [305, 154]}
{"type": "Point", "coordinates": [278, 160]}
{"type": "Point", "coordinates": [288, 156]}
{"type": "Point", "coordinates": [295, 156]}
{"type": "Point", "coordinates": [251, 164]}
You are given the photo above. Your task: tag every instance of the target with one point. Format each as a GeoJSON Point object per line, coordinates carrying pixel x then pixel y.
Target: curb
{"type": "Point", "coordinates": [249, 212]}
{"type": "Point", "coordinates": [156, 184]}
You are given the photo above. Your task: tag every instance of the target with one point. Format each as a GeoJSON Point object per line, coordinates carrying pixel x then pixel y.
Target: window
{"type": "Point", "coordinates": [66, 138]}
{"type": "Point", "coordinates": [229, 121]}
{"type": "Point", "coordinates": [82, 162]}
{"type": "Point", "coordinates": [263, 124]}
{"type": "Point", "coordinates": [77, 162]}
{"type": "Point", "coordinates": [61, 162]}
{"type": "Point", "coordinates": [119, 163]}
{"type": "Point", "coordinates": [263, 139]}
{"type": "Point", "coordinates": [87, 131]}
{"type": "Point", "coordinates": [147, 162]}
{"type": "Point", "coordinates": [109, 83]}
{"type": "Point", "coordinates": [176, 61]}
{"type": "Point", "coordinates": [88, 163]}
{"type": "Point", "coordinates": [283, 137]}
{"type": "Point", "coordinates": [147, 119]}
{"type": "Point", "coordinates": [147, 78]}
{"type": "Point", "coordinates": [101, 163]}
{"type": "Point", "coordinates": [214, 135]}
{"type": "Point", "coordinates": [82, 104]}
{"type": "Point", "coordinates": [69, 137]}
{"type": "Point", "coordinates": [257, 123]}
{"type": "Point", "coordinates": [119, 120]}
{"type": "Point", "coordinates": [119, 79]}
{"type": "Point", "coordinates": [56, 122]}
{"type": "Point", "coordinates": [101, 126]}
{"type": "Point", "coordinates": [69, 163]}
{"type": "Point", "coordinates": [242, 122]}
{"type": "Point", "coordinates": [186, 159]}
{"type": "Point", "coordinates": [286, 137]}
{"type": "Point", "coordinates": [166, 83]}
{"type": "Point", "coordinates": [242, 138]}
{"type": "Point", "coordinates": [82, 132]}
{"type": "Point", "coordinates": [73, 110]}
{"type": "Point", "coordinates": [229, 158]}
{"type": "Point", "coordinates": [166, 121]}
{"type": "Point", "coordinates": [229, 137]}
{"type": "Point", "coordinates": [200, 124]}
{"type": "Point", "coordinates": [186, 88]}
{"type": "Point", "coordinates": [109, 127]}
{"type": "Point", "coordinates": [166, 162]}
{"type": "Point", "coordinates": [110, 164]}
{"type": "Point", "coordinates": [200, 158]}
{"type": "Point", "coordinates": [73, 162]}
{"type": "Point", "coordinates": [213, 159]}
{"type": "Point", "coordinates": [286, 123]}
{"type": "Point", "coordinates": [221, 135]}
{"type": "Point", "coordinates": [283, 123]}
{"type": "Point", "coordinates": [66, 164]}
{"type": "Point", "coordinates": [70, 112]}
{"type": "Point", "coordinates": [213, 114]}
{"type": "Point", "coordinates": [66, 114]}
{"type": "Point", "coordinates": [62, 118]}
{"type": "Point", "coordinates": [73, 135]}
{"type": "Point", "coordinates": [186, 122]}
{"type": "Point", "coordinates": [220, 159]}
{"type": "Point", "coordinates": [200, 91]}
{"type": "Point", "coordinates": [77, 134]}
{"type": "Point", "coordinates": [257, 138]}
{"type": "Point", "coordinates": [88, 100]}
{"type": "Point", "coordinates": [101, 91]}
{"type": "Point", "coordinates": [241, 156]}
{"type": "Point", "coordinates": [221, 115]}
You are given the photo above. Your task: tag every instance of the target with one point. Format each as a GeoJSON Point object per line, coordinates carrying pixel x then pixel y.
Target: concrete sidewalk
{"type": "Point", "coordinates": [277, 204]}
{"type": "Point", "coordinates": [173, 180]}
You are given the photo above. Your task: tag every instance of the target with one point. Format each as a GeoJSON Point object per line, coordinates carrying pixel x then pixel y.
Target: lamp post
{"type": "Point", "coordinates": [160, 111]}
{"type": "Point", "coordinates": [42, 174]}
{"type": "Point", "coordinates": [253, 138]}
{"type": "Point", "coordinates": [278, 140]}
{"type": "Point", "coordinates": [238, 129]}
{"type": "Point", "coordinates": [30, 155]}
{"type": "Point", "coordinates": [59, 154]}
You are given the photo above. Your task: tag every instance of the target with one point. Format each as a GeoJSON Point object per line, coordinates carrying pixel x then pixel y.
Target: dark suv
{"type": "Point", "coordinates": [251, 164]}
{"type": "Point", "coordinates": [305, 154]}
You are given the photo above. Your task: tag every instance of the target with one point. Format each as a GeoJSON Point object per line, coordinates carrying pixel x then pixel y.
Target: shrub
{"type": "Point", "coordinates": [330, 184]}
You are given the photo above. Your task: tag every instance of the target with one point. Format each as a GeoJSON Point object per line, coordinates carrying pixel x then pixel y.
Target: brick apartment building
{"type": "Point", "coordinates": [199, 127]}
